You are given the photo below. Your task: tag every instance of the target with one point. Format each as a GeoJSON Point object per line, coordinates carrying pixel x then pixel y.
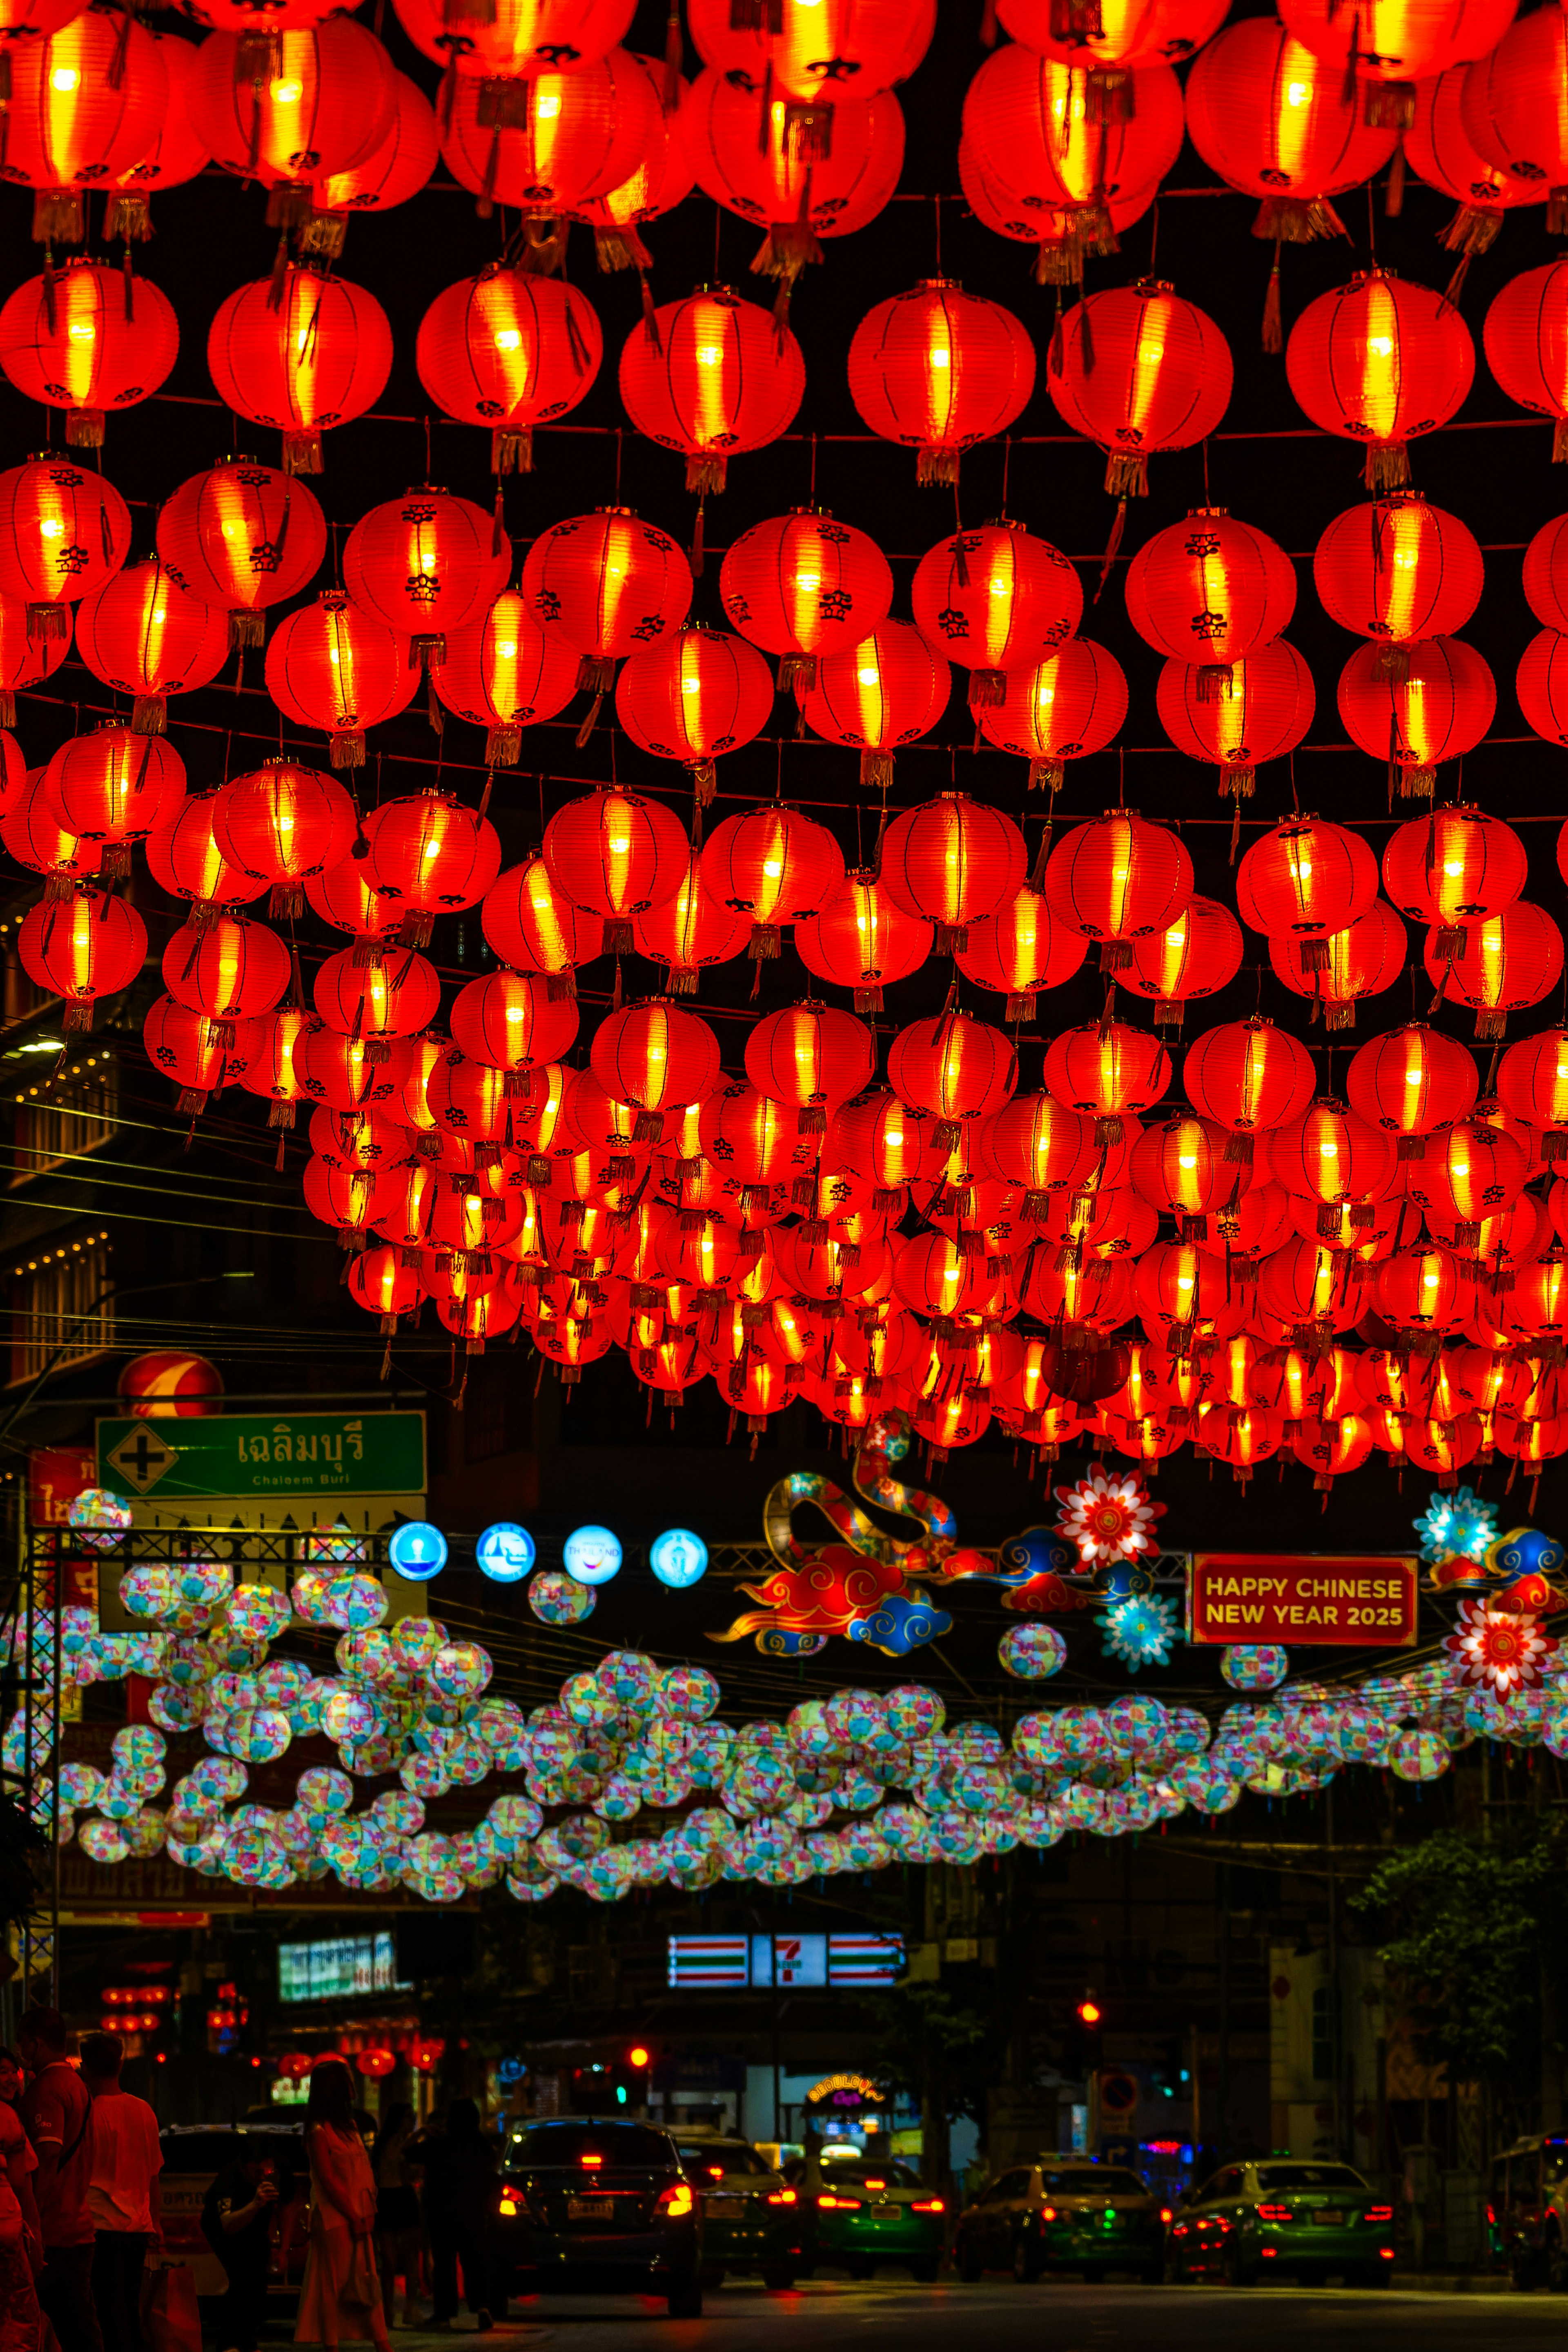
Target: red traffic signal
{"type": "Point", "coordinates": [1089, 2011]}
{"type": "Point", "coordinates": [639, 2056]}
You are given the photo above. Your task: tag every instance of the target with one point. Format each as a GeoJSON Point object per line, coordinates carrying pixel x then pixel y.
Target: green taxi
{"type": "Point", "coordinates": [751, 2215]}
{"type": "Point", "coordinates": [860, 2211]}
{"type": "Point", "coordinates": [1063, 2213]}
{"type": "Point", "coordinates": [1311, 2220]}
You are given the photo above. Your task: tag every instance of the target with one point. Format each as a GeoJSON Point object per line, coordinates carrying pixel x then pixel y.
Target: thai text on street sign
{"type": "Point", "coordinates": [294, 1453]}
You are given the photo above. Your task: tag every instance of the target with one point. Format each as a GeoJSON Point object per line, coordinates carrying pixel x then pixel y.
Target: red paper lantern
{"type": "Point", "coordinates": [1211, 589]}
{"type": "Point", "coordinates": [1196, 954]}
{"type": "Point", "coordinates": [1139, 370]}
{"type": "Point", "coordinates": [1022, 949]}
{"type": "Point", "coordinates": [1498, 965]}
{"type": "Point", "coordinates": [1468, 1171]}
{"type": "Point", "coordinates": [890, 688]}
{"type": "Point", "coordinates": [332, 666]}
{"type": "Point", "coordinates": [530, 924]}
{"type": "Point", "coordinates": [196, 1053]}
{"type": "Point", "coordinates": [613, 854]}
{"type": "Point", "coordinates": [1454, 867]}
{"type": "Point", "coordinates": [755, 163]}
{"type": "Point", "coordinates": [1440, 150]}
{"type": "Point", "coordinates": [310, 100]}
{"type": "Point", "coordinates": [282, 822]}
{"type": "Point", "coordinates": [694, 695]}
{"type": "Point", "coordinates": [1179, 1287]}
{"type": "Point", "coordinates": [1305, 879]}
{"type": "Point", "coordinates": [175, 154]}
{"type": "Point", "coordinates": [301, 353]}
{"type": "Point", "coordinates": [1330, 1155]}
{"type": "Point", "coordinates": [689, 931]}
{"type": "Point", "coordinates": [812, 1056]}
{"type": "Point", "coordinates": [954, 1067]}
{"type": "Point", "coordinates": [35, 838]}
{"type": "Point", "coordinates": [426, 563]}
{"type": "Point", "coordinates": [655, 1057]}
{"type": "Point", "coordinates": [1438, 710]}
{"type": "Point", "coordinates": [1532, 1083]}
{"type": "Point", "coordinates": [1181, 1167]}
{"type": "Point", "coordinates": [952, 861]}
{"type": "Point", "coordinates": [394, 172]}
{"type": "Point", "coordinates": [64, 533]}
{"type": "Point", "coordinates": [1277, 123]}
{"type": "Point", "coordinates": [1130, 34]}
{"type": "Point", "coordinates": [810, 53]}
{"type": "Point", "coordinates": [78, 340]}
{"type": "Point", "coordinates": [114, 787]}
{"type": "Point", "coordinates": [860, 938]}
{"type": "Point", "coordinates": [1265, 715]}
{"type": "Point", "coordinates": [242, 536]}
{"type": "Point", "coordinates": [1545, 573]}
{"type": "Point", "coordinates": [1063, 235]}
{"type": "Point", "coordinates": [803, 584]}
{"type": "Point", "coordinates": [1363, 960]}
{"type": "Point", "coordinates": [1116, 879]}
{"type": "Point", "coordinates": [25, 659]}
{"type": "Point", "coordinates": [1248, 1076]}
{"type": "Point", "coordinates": [1410, 1082]}
{"type": "Point", "coordinates": [1102, 1071]}
{"type": "Point", "coordinates": [712, 376]}
{"type": "Point", "coordinates": [939, 370]}
{"type": "Point", "coordinates": [1397, 570]}
{"type": "Point", "coordinates": [995, 599]}
{"type": "Point", "coordinates": [1379, 361]}
{"type": "Point", "coordinates": [510, 1021]}
{"type": "Point", "coordinates": [1415, 39]}
{"type": "Point", "coordinates": [661, 178]}
{"type": "Point", "coordinates": [503, 673]}
{"type": "Point", "coordinates": [395, 996]}
{"type": "Point", "coordinates": [345, 1073]}
{"type": "Point", "coordinates": [509, 352]}
{"type": "Point", "coordinates": [609, 583]}
{"type": "Point", "coordinates": [183, 859]}
{"type": "Point", "coordinates": [1540, 683]}
{"type": "Point", "coordinates": [1510, 112]}
{"type": "Point", "coordinates": [548, 141]}
{"type": "Point", "coordinates": [231, 970]}
{"type": "Point", "coordinates": [85, 102]}
{"type": "Point", "coordinates": [1071, 704]}
{"type": "Point", "coordinates": [431, 855]}
{"type": "Point", "coordinates": [343, 899]}
{"type": "Point", "coordinates": [883, 1139]}
{"type": "Point", "coordinates": [522, 37]}
{"type": "Point", "coordinates": [80, 948]}
{"type": "Point", "coordinates": [383, 1286]}
{"type": "Point", "coordinates": [146, 637]}
{"type": "Point", "coordinates": [774, 864]}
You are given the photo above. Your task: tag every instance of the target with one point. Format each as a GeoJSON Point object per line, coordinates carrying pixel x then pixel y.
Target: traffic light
{"type": "Point", "coordinates": [1084, 2036]}
{"type": "Point", "coordinates": [1090, 2014]}
{"type": "Point", "coordinates": [638, 2057]}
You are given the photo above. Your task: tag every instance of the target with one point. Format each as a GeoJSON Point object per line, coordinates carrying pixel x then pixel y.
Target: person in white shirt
{"type": "Point", "coordinates": [122, 2196]}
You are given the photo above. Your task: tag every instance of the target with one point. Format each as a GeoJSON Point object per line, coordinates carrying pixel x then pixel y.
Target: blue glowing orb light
{"type": "Point", "coordinates": [417, 1550]}
{"type": "Point", "coordinates": [679, 1559]}
{"type": "Point", "coordinates": [591, 1554]}
{"type": "Point", "coordinates": [505, 1552]}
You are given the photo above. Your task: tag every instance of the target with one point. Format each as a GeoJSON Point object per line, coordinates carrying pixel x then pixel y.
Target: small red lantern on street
{"type": "Point", "coordinates": [1454, 867]}
{"type": "Point", "coordinates": [1499, 965]}
{"type": "Point", "coordinates": [812, 1055]}
{"type": "Point", "coordinates": [1277, 123]}
{"type": "Point", "coordinates": [995, 599]}
{"type": "Point", "coordinates": [688, 932]}
{"type": "Point", "coordinates": [531, 925]}
{"type": "Point", "coordinates": [1022, 950]}
{"type": "Point", "coordinates": [1248, 1076]}
{"type": "Point", "coordinates": [183, 859]}
{"type": "Point", "coordinates": [1196, 954]}
{"type": "Point", "coordinates": [954, 1067]}
{"type": "Point", "coordinates": [1265, 715]}
{"type": "Point", "coordinates": [509, 1019]}
{"type": "Point", "coordinates": [1411, 1081]}
{"type": "Point", "coordinates": [1336, 971]}
{"type": "Point", "coordinates": [85, 102]}
{"type": "Point", "coordinates": [657, 1057]}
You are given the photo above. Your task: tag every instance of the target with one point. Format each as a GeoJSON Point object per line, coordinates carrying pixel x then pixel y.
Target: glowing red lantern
{"type": "Point", "coordinates": [761, 169]}
{"type": "Point", "coordinates": [183, 859]}
{"type": "Point", "coordinates": [80, 948]}
{"type": "Point", "coordinates": [712, 376]}
{"type": "Point", "coordinates": [231, 970]}
{"type": "Point", "coordinates": [1071, 704]}
{"type": "Point", "coordinates": [1510, 113]}
{"type": "Point", "coordinates": [1182, 1168]}
{"type": "Point", "coordinates": [548, 141]}
{"type": "Point", "coordinates": [1397, 570]}
{"type": "Point", "coordinates": [426, 563]}
{"type": "Point", "coordinates": [509, 352]}
{"type": "Point", "coordinates": [1196, 954]}
{"type": "Point", "coordinates": [1063, 235]}
{"type": "Point", "coordinates": [1499, 965]}
{"type": "Point", "coordinates": [888, 689]}
{"type": "Point", "coordinates": [1211, 588]}
{"type": "Point", "coordinates": [1540, 683]}
{"type": "Point", "coordinates": [655, 1057]}
{"type": "Point", "coordinates": [35, 838]}
{"type": "Point", "coordinates": [1438, 709]}
{"type": "Point", "coordinates": [332, 666]}
{"type": "Point", "coordinates": [1277, 123]}
{"type": "Point", "coordinates": [64, 533]}
{"type": "Point", "coordinates": [431, 855]}
{"type": "Point", "coordinates": [997, 599]}
{"type": "Point", "coordinates": [774, 864]}
{"type": "Point", "coordinates": [860, 938]}
{"type": "Point", "coordinates": [1305, 879]}
{"type": "Point", "coordinates": [282, 822]}
{"type": "Point", "coordinates": [186, 1046]}
{"type": "Point", "coordinates": [609, 583]}
{"type": "Point", "coordinates": [1545, 573]}
{"type": "Point", "coordinates": [301, 353]}
{"type": "Point", "coordinates": [1265, 713]}
{"type": "Point", "coordinates": [689, 931]}
{"type": "Point", "coordinates": [1116, 879]}
{"type": "Point", "coordinates": [954, 1067]}
{"type": "Point", "coordinates": [1336, 971]}
{"type": "Point", "coordinates": [1127, 35]}
{"type": "Point", "coordinates": [952, 861]}
{"type": "Point", "coordinates": [114, 787]}
{"type": "Point", "coordinates": [1330, 1155]}
{"type": "Point", "coordinates": [383, 1286]}
{"type": "Point", "coordinates": [613, 854]}
{"type": "Point", "coordinates": [1410, 1082]}
{"type": "Point", "coordinates": [1454, 867]}
{"type": "Point", "coordinates": [1102, 1071]}
{"type": "Point", "coordinates": [939, 370]}
{"type": "Point", "coordinates": [145, 635]}
{"type": "Point", "coordinates": [520, 37]}
{"type": "Point", "coordinates": [85, 102]}
{"type": "Point", "coordinates": [394, 996]}
{"type": "Point", "coordinates": [1440, 150]}
{"type": "Point", "coordinates": [510, 1021]}
{"type": "Point", "coordinates": [803, 584]}
{"type": "Point", "coordinates": [1248, 1076]}
{"type": "Point", "coordinates": [343, 898]}
{"type": "Point", "coordinates": [26, 658]}
{"type": "Point", "coordinates": [693, 696]}
{"type": "Point", "coordinates": [504, 673]}
{"type": "Point", "coordinates": [1379, 361]}
{"type": "Point", "coordinates": [242, 536]}
{"type": "Point", "coordinates": [1416, 40]}
{"type": "Point", "coordinates": [532, 925]}
{"type": "Point", "coordinates": [14, 775]}
{"type": "Point", "coordinates": [78, 340]}
{"type": "Point", "coordinates": [1021, 948]}
{"type": "Point", "coordinates": [310, 101]}
{"type": "Point", "coordinates": [1532, 1083]}
{"type": "Point", "coordinates": [812, 1056]}
{"type": "Point", "coordinates": [1468, 1171]}
{"type": "Point", "coordinates": [392, 173]}
{"type": "Point", "coordinates": [1139, 370]}
{"type": "Point", "coordinates": [175, 153]}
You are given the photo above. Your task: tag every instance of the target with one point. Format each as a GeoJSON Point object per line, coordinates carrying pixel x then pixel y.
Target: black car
{"type": "Point", "coordinates": [600, 2204]}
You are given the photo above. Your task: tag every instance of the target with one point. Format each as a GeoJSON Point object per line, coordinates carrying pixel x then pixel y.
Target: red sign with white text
{"type": "Point", "coordinates": [1327, 1599]}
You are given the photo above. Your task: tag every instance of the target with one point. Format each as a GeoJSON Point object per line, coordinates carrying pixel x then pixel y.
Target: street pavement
{"type": "Point", "coordinates": [1063, 2316]}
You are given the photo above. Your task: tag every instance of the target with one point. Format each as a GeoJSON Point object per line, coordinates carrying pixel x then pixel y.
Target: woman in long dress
{"type": "Point", "coordinates": [342, 2293]}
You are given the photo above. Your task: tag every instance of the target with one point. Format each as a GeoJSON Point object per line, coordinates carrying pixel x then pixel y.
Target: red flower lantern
{"type": "Point", "coordinates": [186, 1046]}
{"type": "Point", "coordinates": [689, 931]}
{"type": "Point", "coordinates": [85, 102]}
{"type": "Point", "coordinates": [1499, 965]}
{"type": "Point", "coordinates": [80, 948]}
{"type": "Point", "coordinates": [774, 864]}
{"type": "Point", "coordinates": [1398, 570]}
{"type": "Point", "coordinates": [548, 141]}
{"type": "Point", "coordinates": [510, 1021]}
{"type": "Point", "coordinates": [613, 854]}
{"type": "Point", "coordinates": [1410, 1082]}
{"type": "Point", "coordinates": [1210, 589]}
{"type": "Point", "coordinates": [183, 859]}
{"type": "Point", "coordinates": [1532, 1083]}
{"type": "Point", "coordinates": [426, 563]}
{"type": "Point", "coordinates": [997, 599]}
{"type": "Point", "coordinates": [954, 1067]}
{"type": "Point", "coordinates": [531, 925]}
{"type": "Point", "coordinates": [762, 170]}
{"type": "Point", "coordinates": [1022, 949]}
{"type": "Point", "coordinates": [1248, 1076]}
{"type": "Point", "coordinates": [1304, 880]}
{"type": "Point", "coordinates": [300, 353]}
{"type": "Point", "coordinates": [1264, 716]}
{"type": "Point", "coordinates": [1510, 114]}
{"type": "Point", "coordinates": [860, 938]}
{"type": "Point", "coordinates": [952, 862]}
{"type": "Point", "coordinates": [396, 170]}
{"type": "Point", "coordinates": [1365, 958]}
{"type": "Point", "coordinates": [509, 352]}
{"type": "Point", "coordinates": [114, 787]}
{"type": "Point", "coordinates": [712, 376]}
{"type": "Point", "coordinates": [1103, 1071]}
{"type": "Point", "coordinates": [242, 536]}
{"type": "Point", "coordinates": [1540, 683]}
{"type": "Point", "coordinates": [64, 533]}
{"type": "Point", "coordinates": [1116, 879]}
{"type": "Point", "coordinates": [145, 635]}
{"type": "Point", "coordinates": [231, 970]}
{"type": "Point", "coordinates": [657, 1057]}
{"type": "Point", "coordinates": [812, 1056]}
{"type": "Point", "coordinates": [1139, 370]}
{"type": "Point", "coordinates": [1196, 954]}
{"type": "Point", "coordinates": [1454, 867]}
{"type": "Point", "coordinates": [282, 822]}
{"type": "Point", "coordinates": [1277, 123]}
{"type": "Point", "coordinates": [939, 370]}
{"type": "Point", "coordinates": [78, 340]}
{"type": "Point", "coordinates": [1438, 709]}
{"type": "Point", "coordinates": [693, 696]}
{"type": "Point", "coordinates": [1379, 361]}
{"type": "Point", "coordinates": [504, 673]}
{"type": "Point", "coordinates": [609, 583]}
{"type": "Point", "coordinates": [308, 100]}
{"type": "Point", "coordinates": [888, 689]}
{"type": "Point", "coordinates": [1071, 704]}
{"type": "Point", "coordinates": [431, 855]}
{"type": "Point", "coordinates": [332, 666]}
{"type": "Point", "coordinates": [803, 584]}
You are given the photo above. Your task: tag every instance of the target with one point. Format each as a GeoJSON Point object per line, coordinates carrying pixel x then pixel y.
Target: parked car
{"type": "Point", "coordinates": [862, 2211]}
{"type": "Point", "coordinates": [1315, 2220]}
{"type": "Point", "coordinates": [598, 2203]}
{"type": "Point", "coordinates": [751, 2215]}
{"type": "Point", "coordinates": [194, 2156]}
{"type": "Point", "coordinates": [1527, 2211]}
{"type": "Point", "coordinates": [1063, 2213]}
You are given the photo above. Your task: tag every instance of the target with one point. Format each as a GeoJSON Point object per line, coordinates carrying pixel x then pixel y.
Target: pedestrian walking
{"type": "Point", "coordinates": [21, 2245]}
{"type": "Point", "coordinates": [342, 2293]}
{"type": "Point", "coordinates": [459, 2203]}
{"type": "Point", "coordinates": [122, 2192]}
{"type": "Point", "coordinates": [238, 2214]}
{"type": "Point", "coordinates": [57, 2114]}
{"type": "Point", "coordinates": [396, 2214]}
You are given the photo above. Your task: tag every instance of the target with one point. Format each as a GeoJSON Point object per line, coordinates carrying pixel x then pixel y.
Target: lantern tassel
{"type": "Point", "coordinates": [756, 16]}
{"type": "Point", "coordinates": [1389, 106]}
{"type": "Point", "coordinates": [1296, 220]}
{"type": "Point", "coordinates": [511, 450]}
{"type": "Point", "coordinates": [302, 451]}
{"type": "Point", "coordinates": [1394, 187]}
{"type": "Point", "coordinates": [1110, 95]}
{"type": "Point", "coordinates": [246, 628]}
{"type": "Point", "coordinates": [1273, 317]}
{"type": "Point", "coordinates": [868, 1000]}
{"type": "Point", "coordinates": [987, 689]}
{"type": "Point", "coordinates": [503, 746]}
{"type": "Point", "coordinates": [348, 748]}
{"type": "Point", "coordinates": [1417, 784]}
{"type": "Point", "coordinates": [149, 715]}
{"type": "Point", "coordinates": [620, 248]}
{"type": "Point", "coordinates": [289, 204]}
{"type": "Point", "coordinates": [561, 986]}
{"type": "Point", "coordinates": [937, 469]}
{"type": "Point", "coordinates": [1076, 20]}
{"type": "Point", "coordinates": [694, 554]}
{"type": "Point", "coordinates": [875, 766]}
{"type": "Point", "coordinates": [807, 130]}
{"type": "Point", "coordinates": [706, 471]}
{"type": "Point", "coordinates": [1215, 682]}
{"type": "Point", "coordinates": [325, 234]}
{"type": "Point", "coordinates": [46, 622]}
{"type": "Point", "coordinates": [797, 673]}
{"type": "Point", "coordinates": [1021, 1007]}
{"type": "Point", "coordinates": [58, 216]}
{"type": "Point", "coordinates": [1557, 213]}
{"type": "Point", "coordinates": [8, 707]}
{"type": "Point", "coordinates": [1387, 467]}
{"type": "Point", "coordinates": [84, 428]}
{"type": "Point", "coordinates": [1392, 662]}
{"type": "Point", "coordinates": [1112, 547]}
{"type": "Point", "coordinates": [705, 782]}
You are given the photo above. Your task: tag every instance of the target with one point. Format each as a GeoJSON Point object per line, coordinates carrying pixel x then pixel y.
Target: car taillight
{"type": "Point", "coordinates": [590, 2161]}
{"type": "Point", "coordinates": [1386, 2252]}
{"type": "Point", "coordinates": [831, 2204]}
{"type": "Point", "coordinates": [1274, 2213]}
{"type": "Point", "coordinates": [677, 2200]}
{"type": "Point", "coordinates": [1164, 2212]}
{"type": "Point", "coordinates": [781, 2197]}
{"type": "Point", "coordinates": [509, 2205]}
{"type": "Point", "coordinates": [1269, 2253]}
{"type": "Point", "coordinates": [928, 2205]}
{"type": "Point", "coordinates": [876, 2184]}
{"type": "Point", "coordinates": [1380, 2212]}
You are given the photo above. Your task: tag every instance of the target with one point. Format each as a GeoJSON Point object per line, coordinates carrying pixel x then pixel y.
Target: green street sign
{"type": "Point", "coordinates": [244, 1455]}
